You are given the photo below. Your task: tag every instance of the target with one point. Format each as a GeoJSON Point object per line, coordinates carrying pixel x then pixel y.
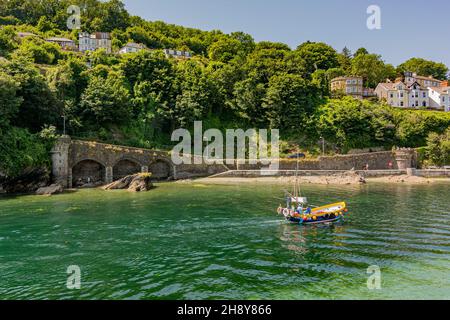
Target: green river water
{"type": "Point", "coordinates": [192, 241]}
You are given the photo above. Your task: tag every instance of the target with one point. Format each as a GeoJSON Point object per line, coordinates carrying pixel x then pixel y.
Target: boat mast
{"type": "Point", "coordinates": [297, 184]}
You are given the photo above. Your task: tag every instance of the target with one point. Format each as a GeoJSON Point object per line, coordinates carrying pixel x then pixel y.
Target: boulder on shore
{"type": "Point", "coordinates": [50, 190]}
{"type": "Point", "coordinates": [134, 183]}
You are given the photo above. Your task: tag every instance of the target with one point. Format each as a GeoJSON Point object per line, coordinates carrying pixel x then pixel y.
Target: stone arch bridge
{"type": "Point", "coordinates": [76, 163]}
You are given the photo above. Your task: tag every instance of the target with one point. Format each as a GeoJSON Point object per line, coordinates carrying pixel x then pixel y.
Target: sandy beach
{"type": "Point", "coordinates": [349, 178]}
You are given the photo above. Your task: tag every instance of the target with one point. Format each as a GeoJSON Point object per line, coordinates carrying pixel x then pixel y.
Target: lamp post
{"type": "Point", "coordinates": [64, 124]}
{"type": "Point", "coordinates": [323, 145]}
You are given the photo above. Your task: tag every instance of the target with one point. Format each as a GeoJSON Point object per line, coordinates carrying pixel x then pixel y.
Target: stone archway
{"type": "Point", "coordinates": [125, 167]}
{"type": "Point", "coordinates": [88, 172]}
{"type": "Point", "coordinates": [160, 170]}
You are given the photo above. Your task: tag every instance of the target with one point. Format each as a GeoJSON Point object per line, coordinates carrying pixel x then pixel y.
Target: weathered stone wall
{"type": "Point", "coordinates": [400, 159]}
{"type": "Point", "coordinates": [110, 155]}
{"type": "Point", "coordinates": [432, 173]}
{"type": "Point", "coordinates": [75, 161]}
{"type": "Point", "coordinates": [307, 173]}
{"type": "Point", "coordinates": [187, 171]}
{"type": "Point", "coordinates": [375, 160]}
{"type": "Point", "coordinates": [284, 164]}
{"type": "Point", "coordinates": [78, 162]}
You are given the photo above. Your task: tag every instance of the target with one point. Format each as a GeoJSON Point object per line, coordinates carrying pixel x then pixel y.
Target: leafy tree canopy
{"type": "Point", "coordinates": [425, 68]}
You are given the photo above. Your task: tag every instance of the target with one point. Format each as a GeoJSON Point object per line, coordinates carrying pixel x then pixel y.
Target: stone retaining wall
{"type": "Point", "coordinates": [83, 161]}
{"type": "Point", "coordinates": [435, 173]}
{"type": "Point", "coordinates": [375, 160]}
{"type": "Point", "coordinates": [305, 173]}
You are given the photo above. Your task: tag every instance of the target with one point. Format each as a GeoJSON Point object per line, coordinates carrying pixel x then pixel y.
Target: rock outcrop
{"type": "Point", "coordinates": [134, 183]}
{"type": "Point", "coordinates": [50, 190]}
{"type": "Point", "coordinates": [28, 181]}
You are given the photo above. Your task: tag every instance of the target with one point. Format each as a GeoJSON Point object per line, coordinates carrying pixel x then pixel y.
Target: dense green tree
{"type": "Point", "coordinates": [20, 150]}
{"type": "Point", "coordinates": [225, 76]}
{"type": "Point", "coordinates": [159, 73]}
{"type": "Point", "coordinates": [68, 79]}
{"type": "Point", "coordinates": [335, 72]}
{"type": "Point", "coordinates": [424, 68]}
{"type": "Point", "coordinates": [225, 49]}
{"type": "Point", "coordinates": [413, 128]}
{"type": "Point", "coordinates": [248, 99]}
{"type": "Point", "coordinates": [345, 123]}
{"type": "Point", "coordinates": [39, 105]}
{"type": "Point", "coordinates": [246, 40]}
{"type": "Point", "coordinates": [196, 88]}
{"type": "Point", "coordinates": [114, 16]}
{"type": "Point", "coordinates": [288, 102]}
{"type": "Point", "coordinates": [345, 60]}
{"type": "Point", "coordinates": [264, 62]}
{"type": "Point", "coordinates": [44, 24]}
{"type": "Point", "coordinates": [321, 80]}
{"type": "Point", "coordinates": [7, 44]}
{"type": "Point", "coordinates": [372, 68]}
{"type": "Point", "coordinates": [318, 56]}
{"type": "Point", "coordinates": [9, 21]}
{"type": "Point", "coordinates": [9, 101]}
{"type": "Point", "coordinates": [438, 148]}
{"type": "Point", "coordinates": [360, 51]}
{"type": "Point", "coordinates": [39, 51]}
{"type": "Point", "coordinates": [272, 45]}
{"type": "Point", "coordinates": [105, 102]}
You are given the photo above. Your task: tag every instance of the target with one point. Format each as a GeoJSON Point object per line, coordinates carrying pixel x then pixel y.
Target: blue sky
{"type": "Point", "coordinates": [412, 28]}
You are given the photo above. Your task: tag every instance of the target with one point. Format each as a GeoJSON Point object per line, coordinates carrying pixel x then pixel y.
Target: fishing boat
{"type": "Point", "coordinates": [298, 211]}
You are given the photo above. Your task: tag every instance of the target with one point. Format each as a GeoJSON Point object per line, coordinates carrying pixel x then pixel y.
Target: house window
{"type": "Point", "coordinates": [401, 104]}
{"type": "Point", "coordinates": [424, 104]}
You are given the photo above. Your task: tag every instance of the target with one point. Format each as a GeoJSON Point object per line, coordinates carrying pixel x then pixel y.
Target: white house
{"type": "Point", "coordinates": [439, 98]}
{"type": "Point", "coordinates": [396, 94]}
{"type": "Point", "coordinates": [177, 54]}
{"type": "Point", "coordinates": [132, 47]}
{"type": "Point", "coordinates": [404, 95]}
{"type": "Point", "coordinates": [418, 96]}
{"type": "Point", "coordinates": [92, 42]}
